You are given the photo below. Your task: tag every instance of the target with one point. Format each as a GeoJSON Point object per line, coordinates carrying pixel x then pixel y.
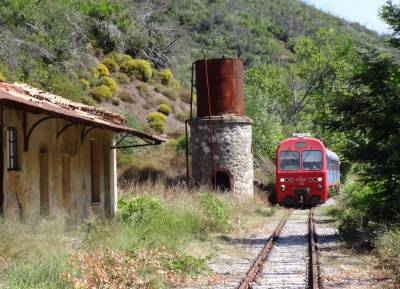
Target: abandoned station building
{"type": "Point", "coordinates": [58, 157]}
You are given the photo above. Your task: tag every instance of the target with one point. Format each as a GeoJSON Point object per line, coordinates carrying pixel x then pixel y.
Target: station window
{"type": "Point", "coordinates": [12, 149]}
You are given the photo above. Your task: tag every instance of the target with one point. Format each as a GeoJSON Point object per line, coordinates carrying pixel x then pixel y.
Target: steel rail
{"type": "Point", "coordinates": [314, 280]}
{"type": "Point", "coordinates": [262, 257]}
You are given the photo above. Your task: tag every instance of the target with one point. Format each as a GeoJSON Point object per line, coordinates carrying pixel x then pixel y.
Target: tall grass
{"type": "Point", "coordinates": [388, 251]}
{"type": "Point", "coordinates": [154, 225]}
{"type": "Point", "coordinates": [34, 254]}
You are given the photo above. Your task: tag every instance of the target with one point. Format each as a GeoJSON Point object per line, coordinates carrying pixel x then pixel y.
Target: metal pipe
{"type": "Point", "coordinates": [213, 178]}
{"type": "Point", "coordinates": [187, 153]}
{"type": "Point", "coordinates": [191, 93]}
{"type": "Point", "coordinates": [186, 128]}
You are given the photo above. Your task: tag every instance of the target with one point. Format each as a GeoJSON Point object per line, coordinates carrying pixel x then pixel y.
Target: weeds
{"type": "Point", "coordinates": [388, 251]}
{"type": "Point", "coordinates": [217, 214]}
{"type": "Point", "coordinates": [139, 210]}
{"type": "Point", "coordinates": [141, 248]}
{"type": "Point", "coordinates": [266, 212]}
{"type": "Point", "coordinates": [33, 254]}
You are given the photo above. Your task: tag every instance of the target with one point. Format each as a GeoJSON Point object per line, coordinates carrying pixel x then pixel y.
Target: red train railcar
{"type": "Point", "coordinates": [305, 171]}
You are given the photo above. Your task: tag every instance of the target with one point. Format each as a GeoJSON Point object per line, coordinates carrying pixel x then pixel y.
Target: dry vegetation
{"type": "Point", "coordinates": [143, 247]}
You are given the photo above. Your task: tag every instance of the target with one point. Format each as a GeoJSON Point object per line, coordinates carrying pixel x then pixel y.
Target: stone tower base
{"type": "Point", "coordinates": [232, 137]}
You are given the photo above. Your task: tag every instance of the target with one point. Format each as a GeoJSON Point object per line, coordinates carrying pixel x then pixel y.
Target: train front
{"type": "Point", "coordinates": [300, 172]}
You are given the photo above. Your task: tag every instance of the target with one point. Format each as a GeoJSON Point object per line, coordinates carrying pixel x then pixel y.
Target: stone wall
{"type": "Point", "coordinates": [232, 136]}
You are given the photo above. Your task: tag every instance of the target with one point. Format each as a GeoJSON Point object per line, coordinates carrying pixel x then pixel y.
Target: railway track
{"type": "Point", "coordinates": [289, 259]}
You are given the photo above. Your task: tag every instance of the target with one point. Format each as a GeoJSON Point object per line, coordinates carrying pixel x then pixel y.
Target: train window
{"type": "Point", "coordinates": [289, 160]}
{"type": "Point", "coordinates": [312, 160]}
{"type": "Point", "coordinates": [300, 145]}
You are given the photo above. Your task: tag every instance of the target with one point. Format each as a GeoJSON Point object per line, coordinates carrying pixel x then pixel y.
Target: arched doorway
{"type": "Point", "coordinates": [223, 181]}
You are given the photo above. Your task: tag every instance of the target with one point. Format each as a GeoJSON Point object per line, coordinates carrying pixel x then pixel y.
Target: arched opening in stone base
{"type": "Point", "coordinates": [223, 181]}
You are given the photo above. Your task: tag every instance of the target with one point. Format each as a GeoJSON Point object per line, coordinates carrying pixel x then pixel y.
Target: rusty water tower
{"type": "Point", "coordinates": [221, 135]}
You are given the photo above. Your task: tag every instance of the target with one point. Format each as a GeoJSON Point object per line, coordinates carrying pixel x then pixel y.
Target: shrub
{"type": "Point", "coordinates": [388, 251]}
{"type": "Point", "coordinates": [356, 228]}
{"type": "Point", "coordinates": [143, 89]}
{"type": "Point", "coordinates": [85, 83]}
{"type": "Point", "coordinates": [115, 101]}
{"type": "Point", "coordinates": [184, 95]}
{"type": "Point", "coordinates": [151, 101]}
{"type": "Point", "coordinates": [122, 78]}
{"type": "Point", "coordinates": [165, 76]}
{"type": "Point", "coordinates": [164, 108]}
{"type": "Point", "coordinates": [100, 70]}
{"type": "Point", "coordinates": [182, 116]}
{"type": "Point", "coordinates": [266, 212]}
{"type": "Point", "coordinates": [108, 81]}
{"type": "Point", "coordinates": [174, 84]}
{"type": "Point", "coordinates": [140, 210]}
{"type": "Point", "coordinates": [171, 94]}
{"type": "Point", "coordinates": [101, 93]}
{"type": "Point", "coordinates": [158, 126]}
{"type": "Point", "coordinates": [139, 68]}
{"type": "Point", "coordinates": [156, 116]}
{"type": "Point", "coordinates": [159, 101]}
{"type": "Point", "coordinates": [180, 144]}
{"type": "Point", "coordinates": [110, 63]}
{"type": "Point", "coordinates": [159, 88]}
{"type": "Point", "coordinates": [121, 58]}
{"type": "Point", "coordinates": [157, 121]}
{"type": "Point", "coordinates": [188, 265]}
{"type": "Point", "coordinates": [2, 78]}
{"type": "Point", "coordinates": [217, 214]}
{"type": "Point", "coordinates": [88, 101]}
{"type": "Point", "coordinates": [126, 95]}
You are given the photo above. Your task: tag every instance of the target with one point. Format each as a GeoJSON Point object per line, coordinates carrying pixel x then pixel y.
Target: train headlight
{"type": "Point", "coordinates": [282, 180]}
{"type": "Point", "coordinates": [283, 187]}
{"type": "Point", "coordinates": [319, 179]}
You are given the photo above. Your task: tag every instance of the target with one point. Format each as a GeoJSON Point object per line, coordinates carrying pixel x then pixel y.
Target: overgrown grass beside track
{"type": "Point", "coordinates": [142, 248]}
{"type": "Point", "coordinates": [363, 233]}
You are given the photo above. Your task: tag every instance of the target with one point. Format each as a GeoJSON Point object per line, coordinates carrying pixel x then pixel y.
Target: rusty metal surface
{"type": "Point", "coordinates": [262, 257]}
{"type": "Point", "coordinates": [315, 281]}
{"type": "Point", "coordinates": [24, 97]}
{"type": "Point", "coordinates": [225, 79]}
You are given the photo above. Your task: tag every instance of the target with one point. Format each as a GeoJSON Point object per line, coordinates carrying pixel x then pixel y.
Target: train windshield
{"type": "Point", "coordinates": [289, 160]}
{"type": "Point", "coordinates": [312, 160]}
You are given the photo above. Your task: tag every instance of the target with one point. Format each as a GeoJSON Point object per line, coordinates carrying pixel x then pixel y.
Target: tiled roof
{"type": "Point", "coordinates": [24, 97]}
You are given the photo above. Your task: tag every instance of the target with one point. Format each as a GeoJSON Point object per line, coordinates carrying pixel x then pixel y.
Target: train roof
{"type": "Point", "coordinates": [332, 155]}
{"type": "Point", "coordinates": [296, 139]}
{"type": "Point", "coordinates": [329, 153]}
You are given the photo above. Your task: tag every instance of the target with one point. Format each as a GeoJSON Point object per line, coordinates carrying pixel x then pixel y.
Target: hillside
{"type": "Point", "coordinates": [55, 44]}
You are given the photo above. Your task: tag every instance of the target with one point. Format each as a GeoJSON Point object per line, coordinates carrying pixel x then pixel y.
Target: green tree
{"type": "Point", "coordinates": [265, 89]}
{"type": "Point", "coordinates": [295, 96]}
{"type": "Point", "coordinates": [369, 115]}
{"type": "Point", "coordinates": [390, 13]}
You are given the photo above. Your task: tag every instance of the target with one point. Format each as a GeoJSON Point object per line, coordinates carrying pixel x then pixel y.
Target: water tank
{"type": "Point", "coordinates": [225, 79]}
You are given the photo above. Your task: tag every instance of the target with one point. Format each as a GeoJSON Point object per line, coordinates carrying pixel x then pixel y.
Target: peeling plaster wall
{"type": "Point", "coordinates": [232, 136]}
{"type": "Point", "coordinates": [22, 187]}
